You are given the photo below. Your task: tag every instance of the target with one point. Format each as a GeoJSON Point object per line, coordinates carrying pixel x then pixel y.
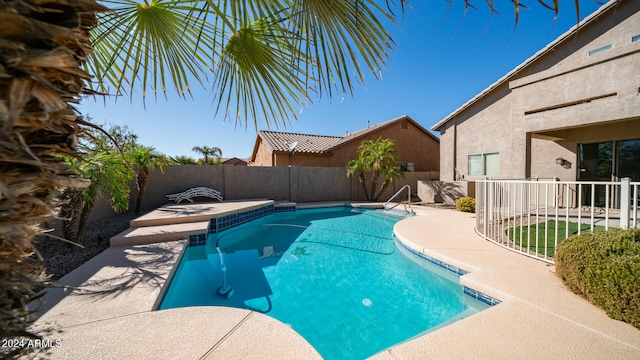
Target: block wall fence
{"type": "Point", "coordinates": [297, 184]}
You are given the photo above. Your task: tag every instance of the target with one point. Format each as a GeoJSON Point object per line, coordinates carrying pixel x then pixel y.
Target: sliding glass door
{"type": "Point", "coordinates": [628, 159]}
{"type": "Point", "coordinates": [596, 164]}
{"type": "Point", "coordinates": [607, 161]}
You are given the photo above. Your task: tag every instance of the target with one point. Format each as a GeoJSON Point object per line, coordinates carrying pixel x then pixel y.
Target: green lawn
{"type": "Point", "coordinates": [550, 226]}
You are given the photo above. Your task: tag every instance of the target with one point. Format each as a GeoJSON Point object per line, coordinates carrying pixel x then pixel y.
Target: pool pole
{"type": "Point", "coordinates": [225, 290]}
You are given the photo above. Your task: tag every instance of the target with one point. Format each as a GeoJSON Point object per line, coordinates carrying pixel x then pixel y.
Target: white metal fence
{"type": "Point", "coordinates": [532, 216]}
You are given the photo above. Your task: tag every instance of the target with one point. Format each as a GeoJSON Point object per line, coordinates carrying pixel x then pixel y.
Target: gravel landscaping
{"type": "Point", "coordinates": [60, 257]}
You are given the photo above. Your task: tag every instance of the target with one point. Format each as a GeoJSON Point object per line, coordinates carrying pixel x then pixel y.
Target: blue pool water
{"type": "Point", "coordinates": [334, 275]}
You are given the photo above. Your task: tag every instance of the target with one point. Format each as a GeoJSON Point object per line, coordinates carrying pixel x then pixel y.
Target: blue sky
{"type": "Point", "coordinates": [442, 59]}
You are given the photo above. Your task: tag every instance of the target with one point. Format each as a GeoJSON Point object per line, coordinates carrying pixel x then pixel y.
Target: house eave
{"type": "Point", "coordinates": [603, 9]}
{"type": "Point", "coordinates": [380, 127]}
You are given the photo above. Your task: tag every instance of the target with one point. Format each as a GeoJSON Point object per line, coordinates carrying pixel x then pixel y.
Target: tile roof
{"type": "Point", "coordinates": [280, 141]}
{"type": "Point", "coordinates": [318, 144]}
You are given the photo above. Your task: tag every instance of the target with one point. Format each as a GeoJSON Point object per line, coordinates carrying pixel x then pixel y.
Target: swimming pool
{"type": "Point", "coordinates": [335, 275]}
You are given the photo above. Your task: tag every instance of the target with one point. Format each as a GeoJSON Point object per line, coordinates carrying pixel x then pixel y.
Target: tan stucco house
{"type": "Point", "coordinates": [570, 112]}
{"type": "Point", "coordinates": [417, 148]}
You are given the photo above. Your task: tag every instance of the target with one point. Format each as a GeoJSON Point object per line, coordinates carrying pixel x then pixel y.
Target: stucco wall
{"type": "Point", "coordinates": [263, 156]}
{"type": "Point", "coordinates": [563, 98]}
{"type": "Point", "coordinates": [448, 151]}
{"type": "Point", "coordinates": [484, 128]}
{"type": "Point", "coordinates": [545, 152]}
{"type": "Point", "coordinates": [618, 78]}
{"type": "Point", "coordinates": [412, 145]}
{"type": "Point", "coordinates": [543, 165]}
{"type": "Point", "coordinates": [601, 32]}
{"type": "Point", "coordinates": [445, 192]}
{"type": "Point", "coordinates": [304, 159]}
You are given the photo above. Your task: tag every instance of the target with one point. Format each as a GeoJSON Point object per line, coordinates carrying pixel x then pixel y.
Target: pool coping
{"type": "Point", "coordinates": [535, 308]}
{"type": "Point", "coordinates": [254, 213]}
{"type": "Point", "coordinates": [460, 272]}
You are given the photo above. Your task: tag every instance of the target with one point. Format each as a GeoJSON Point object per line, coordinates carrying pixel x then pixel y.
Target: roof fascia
{"type": "Point", "coordinates": [385, 125]}
{"type": "Point", "coordinates": [603, 9]}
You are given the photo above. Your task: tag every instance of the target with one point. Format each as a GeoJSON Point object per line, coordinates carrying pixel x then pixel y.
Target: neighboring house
{"type": "Point", "coordinates": [234, 161]}
{"type": "Point", "coordinates": [417, 148]}
{"type": "Point", "coordinates": [571, 111]}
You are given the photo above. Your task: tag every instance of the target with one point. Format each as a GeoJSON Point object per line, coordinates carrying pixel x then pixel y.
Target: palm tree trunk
{"type": "Point", "coordinates": [374, 183]}
{"type": "Point", "coordinates": [41, 53]}
{"type": "Point", "coordinates": [69, 212]}
{"type": "Point", "coordinates": [84, 219]}
{"type": "Point", "coordinates": [143, 175]}
{"type": "Point", "coordinates": [363, 183]}
{"type": "Point", "coordinates": [384, 187]}
{"type": "Point", "coordinates": [89, 201]}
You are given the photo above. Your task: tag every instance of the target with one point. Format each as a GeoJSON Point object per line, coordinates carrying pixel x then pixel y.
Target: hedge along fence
{"type": "Point", "coordinates": [604, 267]}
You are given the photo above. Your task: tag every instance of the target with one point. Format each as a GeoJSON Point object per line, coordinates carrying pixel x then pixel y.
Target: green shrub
{"type": "Point", "coordinates": [604, 267]}
{"type": "Point", "coordinates": [466, 204]}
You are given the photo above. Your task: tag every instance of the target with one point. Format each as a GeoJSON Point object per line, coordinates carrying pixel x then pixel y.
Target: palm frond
{"type": "Point", "coordinates": [145, 42]}
{"type": "Point", "coordinates": [268, 57]}
{"type": "Point", "coordinates": [338, 36]}
{"type": "Point", "coordinates": [255, 78]}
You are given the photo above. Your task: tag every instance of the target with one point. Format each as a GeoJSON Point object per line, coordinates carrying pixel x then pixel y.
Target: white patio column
{"type": "Point", "coordinates": [625, 196]}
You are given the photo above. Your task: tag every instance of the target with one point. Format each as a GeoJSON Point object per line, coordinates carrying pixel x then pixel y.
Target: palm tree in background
{"type": "Point", "coordinates": [184, 160]}
{"type": "Point", "coordinates": [357, 165]}
{"type": "Point", "coordinates": [143, 159]}
{"type": "Point", "coordinates": [103, 163]}
{"type": "Point", "coordinates": [216, 162]}
{"type": "Point", "coordinates": [110, 177]}
{"type": "Point", "coordinates": [208, 152]}
{"type": "Point", "coordinates": [378, 158]}
{"type": "Point", "coordinates": [267, 59]}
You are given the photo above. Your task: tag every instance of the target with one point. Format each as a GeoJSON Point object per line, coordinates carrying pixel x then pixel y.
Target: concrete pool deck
{"type": "Point", "coordinates": [106, 309]}
{"type": "Point", "coordinates": [178, 221]}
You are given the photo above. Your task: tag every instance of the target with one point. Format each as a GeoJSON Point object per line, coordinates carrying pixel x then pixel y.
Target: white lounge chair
{"type": "Point", "coordinates": [195, 192]}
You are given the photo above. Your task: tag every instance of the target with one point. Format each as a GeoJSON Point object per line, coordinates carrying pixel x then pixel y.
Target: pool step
{"type": "Point", "coordinates": [160, 233]}
{"type": "Point", "coordinates": [187, 213]}
{"type": "Point", "coordinates": [179, 221]}
{"type": "Point", "coordinates": [178, 218]}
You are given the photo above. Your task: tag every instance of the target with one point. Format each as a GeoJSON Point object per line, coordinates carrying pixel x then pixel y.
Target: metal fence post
{"type": "Point", "coordinates": [625, 196]}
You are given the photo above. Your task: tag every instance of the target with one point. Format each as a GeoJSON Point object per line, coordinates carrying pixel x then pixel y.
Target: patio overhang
{"type": "Point", "coordinates": [588, 133]}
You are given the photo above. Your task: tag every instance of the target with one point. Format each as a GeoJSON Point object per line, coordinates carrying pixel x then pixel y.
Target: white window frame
{"type": "Point", "coordinates": [483, 164]}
